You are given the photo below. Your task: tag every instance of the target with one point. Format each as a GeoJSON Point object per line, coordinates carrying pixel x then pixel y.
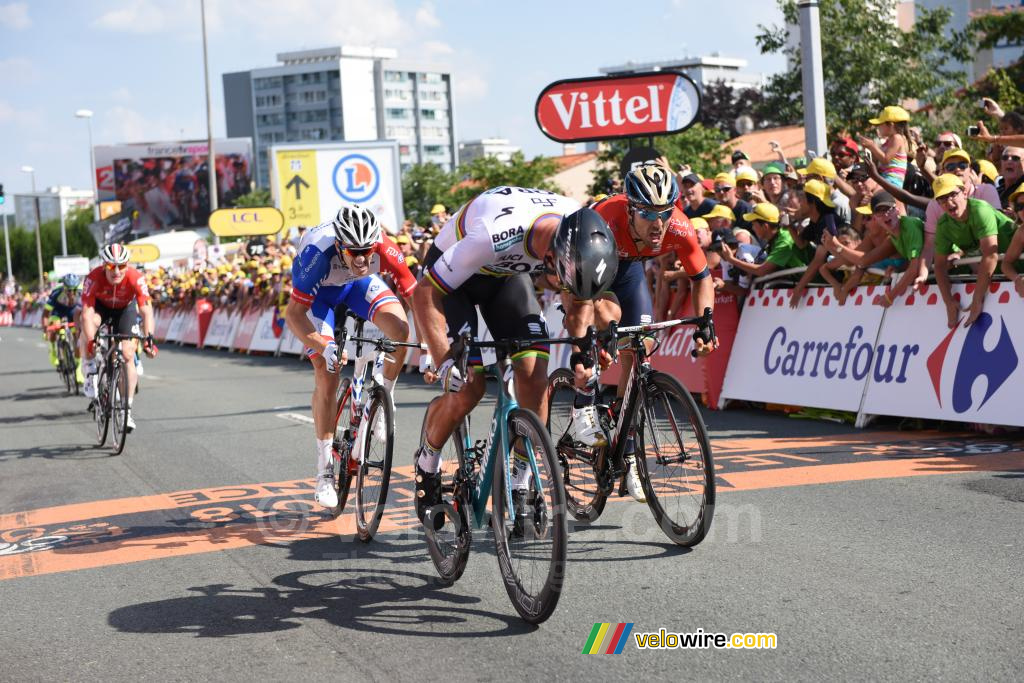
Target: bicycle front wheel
{"type": "Point", "coordinates": [375, 468]}
{"type": "Point", "coordinates": [674, 460]}
{"type": "Point", "coordinates": [100, 406]}
{"type": "Point", "coordinates": [118, 408]}
{"type": "Point", "coordinates": [529, 518]}
{"type": "Point", "coordinates": [341, 448]}
{"type": "Point", "coordinates": [583, 493]}
{"type": "Point", "coordinates": [71, 367]}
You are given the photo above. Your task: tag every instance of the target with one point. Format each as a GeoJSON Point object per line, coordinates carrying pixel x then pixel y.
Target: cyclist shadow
{"type": "Point", "coordinates": [40, 393]}
{"type": "Point", "coordinates": [368, 599]}
{"type": "Point", "coordinates": [63, 452]}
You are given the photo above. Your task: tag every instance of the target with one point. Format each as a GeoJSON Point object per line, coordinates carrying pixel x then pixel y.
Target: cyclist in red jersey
{"type": "Point", "coordinates": [116, 293]}
{"type": "Point", "coordinates": [647, 222]}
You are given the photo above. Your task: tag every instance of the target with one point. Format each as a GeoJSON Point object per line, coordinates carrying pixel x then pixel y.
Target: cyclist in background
{"type": "Point", "coordinates": [116, 293]}
{"type": "Point", "coordinates": [647, 222]}
{"type": "Point", "coordinates": [64, 304]}
{"type": "Point", "coordinates": [485, 256]}
{"type": "Point", "coordinates": [340, 264]}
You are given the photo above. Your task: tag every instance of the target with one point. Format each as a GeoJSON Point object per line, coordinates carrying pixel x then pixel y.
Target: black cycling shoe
{"type": "Point", "coordinates": [428, 493]}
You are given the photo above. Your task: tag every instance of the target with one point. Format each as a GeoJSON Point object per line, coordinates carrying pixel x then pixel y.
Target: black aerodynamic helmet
{"type": "Point", "coordinates": [585, 256]}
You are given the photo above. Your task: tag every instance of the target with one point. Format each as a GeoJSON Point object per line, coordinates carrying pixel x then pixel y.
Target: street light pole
{"type": "Point", "coordinates": [39, 226]}
{"type": "Point", "coordinates": [813, 77]}
{"type": "Point", "coordinates": [212, 164]}
{"type": "Point", "coordinates": [7, 247]}
{"type": "Point", "coordinates": [87, 115]}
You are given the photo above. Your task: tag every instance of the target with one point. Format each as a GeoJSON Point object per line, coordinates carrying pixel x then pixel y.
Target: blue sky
{"type": "Point", "coordinates": [138, 63]}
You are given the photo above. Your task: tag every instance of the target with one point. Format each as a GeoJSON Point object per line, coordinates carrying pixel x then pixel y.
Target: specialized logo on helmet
{"type": "Point", "coordinates": [356, 178]}
{"type": "Point", "coordinates": [974, 362]}
{"type": "Point", "coordinates": [600, 269]}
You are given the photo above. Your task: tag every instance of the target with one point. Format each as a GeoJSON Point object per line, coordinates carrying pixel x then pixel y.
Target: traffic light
{"type": "Point", "coordinates": [2, 198]}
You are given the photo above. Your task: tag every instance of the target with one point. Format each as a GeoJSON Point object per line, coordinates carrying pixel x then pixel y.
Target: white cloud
{"type": "Point", "coordinates": [426, 17]}
{"type": "Point", "coordinates": [18, 69]}
{"type": "Point", "coordinates": [139, 16]}
{"type": "Point", "coordinates": [125, 124]}
{"type": "Point", "coordinates": [435, 48]}
{"type": "Point", "coordinates": [14, 15]}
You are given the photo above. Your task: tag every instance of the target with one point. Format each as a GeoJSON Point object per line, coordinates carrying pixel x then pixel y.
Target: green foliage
{"type": "Point", "coordinates": [255, 199]}
{"type": "Point", "coordinates": [998, 28]}
{"type": "Point", "coordinates": [424, 185]}
{"type": "Point", "coordinates": [23, 245]}
{"type": "Point", "coordinates": [700, 147]}
{"type": "Point", "coordinates": [868, 62]}
{"type": "Point", "coordinates": [721, 105]}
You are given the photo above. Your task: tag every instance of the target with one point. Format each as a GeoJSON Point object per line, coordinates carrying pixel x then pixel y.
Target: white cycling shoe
{"type": "Point", "coordinates": [633, 485]}
{"type": "Point", "coordinates": [89, 386]}
{"type": "Point", "coordinates": [325, 494]}
{"type": "Point", "coordinates": [130, 422]}
{"type": "Point", "coordinates": [586, 428]}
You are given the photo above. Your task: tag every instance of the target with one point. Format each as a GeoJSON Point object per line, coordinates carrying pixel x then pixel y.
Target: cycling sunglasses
{"type": "Point", "coordinates": [356, 252]}
{"type": "Point", "coordinates": [959, 166]}
{"type": "Point", "coordinates": [112, 266]}
{"type": "Point", "coordinates": [650, 215]}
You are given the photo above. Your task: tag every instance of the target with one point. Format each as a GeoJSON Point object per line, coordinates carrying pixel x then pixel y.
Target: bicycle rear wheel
{"type": "Point", "coordinates": [450, 537]}
{"type": "Point", "coordinates": [375, 468]}
{"type": "Point", "coordinates": [674, 460]}
{"type": "Point", "coordinates": [118, 408]}
{"type": "Point", "coordinates": [341, 448]}
{"type": "Point", "coordinates": [530, 538]}
{"type": "Point", "coordinates": [100, 406]}
{"type": "Point", "coordinates": [583, 493]}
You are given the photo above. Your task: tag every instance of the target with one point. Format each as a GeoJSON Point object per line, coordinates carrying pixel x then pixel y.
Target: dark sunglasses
{"type": "Point", "coordinates": [651, 215]}
{"type": "Point", "coordinates": [959, 166]}
{"type": "Point", "coordinates": [744, 184]}
{"type": "Point", "coordinates": [1019, 206]}
{"type": "Point", "coordinates": [945, 143]}
{"type": "Point", "coordinates": [721, 190]}
{"type": "Point", "coordinates": [1010, 157]}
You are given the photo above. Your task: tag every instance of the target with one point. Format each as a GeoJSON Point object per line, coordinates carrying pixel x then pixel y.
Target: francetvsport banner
{"type": "Point", "coordinates": [817, 355]}
{"type": "Point", "coordinates": [970, 374]}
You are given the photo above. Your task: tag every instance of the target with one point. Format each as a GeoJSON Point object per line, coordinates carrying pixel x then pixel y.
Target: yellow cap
{"type": "Point", "coordinates": [891, 114]}
{"type": "Point", "coordinates": [769, 213]}
{"type": "Point", "coordinates": [699, 223]}
{"type": "Point", "coordinates": [988, 169]}
{"type": "Point", "coordinates": [438, 208]}
{"type": "Point", "coordinates": [819, 166]}
{"type": "Point", "coordinates": [599, 197]}
{"type": "Point", "coordinates": [402, 239]}
{"type": "Point", "coordinates": [725, 179]}
{"type": "Point", "coordinates": [720, 211]}
{"type": "Point", "coordinates": [864, 210]}
{"type": "Point", "coordinates": [747, 173]}
{"type": "Point", "coordinates": [1019, 192]}
{"type": "Point", "coordinates": [955, 154]}
{"type": "Point", "coordinates": [818, 189]}
{"type": "Point", "coordinates": [944, 184]}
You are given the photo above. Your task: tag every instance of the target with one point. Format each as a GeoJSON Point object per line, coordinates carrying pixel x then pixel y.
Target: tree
{"type": "Point", "coordinates": [424, 185]}
{"type": "Point", "coordinates": [699, 147]}
{"type": "Point", "coordinates": [868, 62]}
{"type": "Point", "coordinates": [23, 245]}
{"type": "Point", "coordinates": [255, 199]}
{"type": "Point", "coordinates": [721, 105]}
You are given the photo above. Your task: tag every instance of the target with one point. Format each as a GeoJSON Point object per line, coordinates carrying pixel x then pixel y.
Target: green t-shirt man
{"type": "Point", "coordinates": [783, 251]}
{"type": "Point", "coordinates": [982, 221]}
{"type": "Point", "coordinates": [909, 241]}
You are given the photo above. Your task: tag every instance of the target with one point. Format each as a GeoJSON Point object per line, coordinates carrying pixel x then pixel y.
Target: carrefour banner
{"type": "Point", "coordinates": [817, 355]}
{"type": "Point", "coordinates": [970, 374]}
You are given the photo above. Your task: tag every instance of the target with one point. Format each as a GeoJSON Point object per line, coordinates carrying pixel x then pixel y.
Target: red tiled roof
{"type": "Point", "coordinates": [569, 160]}
{"type": "Point", "coordinates": [755, 144]}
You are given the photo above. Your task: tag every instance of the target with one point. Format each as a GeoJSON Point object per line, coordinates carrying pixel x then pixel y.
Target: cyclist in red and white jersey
{"type": "Point", "coordinates": [115, 292]}
{"type": "Point", "coordinates": [647, 221]}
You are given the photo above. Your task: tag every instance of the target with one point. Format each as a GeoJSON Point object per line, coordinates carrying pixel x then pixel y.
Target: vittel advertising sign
{"type": "Point", "coordinates": [655, 103]}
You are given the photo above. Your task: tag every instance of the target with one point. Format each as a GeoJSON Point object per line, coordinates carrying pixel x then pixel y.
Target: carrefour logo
{"type": "Point", "coordinates": [836, 360]}
{"type": "Point", "coordinates": [974, 362]}
{"type": "Point", "coordinates": [356, 178]}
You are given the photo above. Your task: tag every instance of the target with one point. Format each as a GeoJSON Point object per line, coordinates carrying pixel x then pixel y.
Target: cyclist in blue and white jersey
{"type": "Point", "coordinates": [341, 262]}
{"type": "Point", "coordinates": [65, 303]}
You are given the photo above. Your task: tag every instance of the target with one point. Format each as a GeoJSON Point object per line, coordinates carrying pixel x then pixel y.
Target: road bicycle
{"type": "Point", "coordinates": [673, 454]}
{"type": "Point", "coordinates": [363, 446]}
{"type": "Point", "coordinates": [110, 406]}
{"type": "Point", "coordinates": [67, 365]}
{"type": "Point", "coordinates": [529, 523]}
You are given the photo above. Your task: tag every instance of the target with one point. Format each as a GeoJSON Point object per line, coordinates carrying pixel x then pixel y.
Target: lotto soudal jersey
{"type": "Point", "coordinates": [320, 264]}
{"type": "Point", "coordinates": [98, 288]}
{"type": "Point", "coordinates": [680, 236]}
{"type": "Point", "coordinates": [492, 233]}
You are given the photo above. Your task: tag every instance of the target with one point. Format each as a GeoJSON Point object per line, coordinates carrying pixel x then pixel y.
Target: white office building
{"type": "Point", "coordinates": [344, 93]}
{"type": "Point", "coordinates": [54, 202]}
{"type": "Point", "coordinates": [702, 70]}
{"type": "Point", "coordinates": [499, 148]}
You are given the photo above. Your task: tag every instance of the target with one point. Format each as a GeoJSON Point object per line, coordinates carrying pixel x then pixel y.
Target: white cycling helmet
{"type": "Point", "coordinates": [115, 254]}
{"type": "Point", "coordinates": [652, 185]}
{"type": "Point", "coordinates": [356, 227]}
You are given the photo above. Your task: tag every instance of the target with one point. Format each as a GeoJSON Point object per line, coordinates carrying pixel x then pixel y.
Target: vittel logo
{"type": "Point", "coordinates": [838, 360]}
{"type": "Point", "coordinates": [603, 109]}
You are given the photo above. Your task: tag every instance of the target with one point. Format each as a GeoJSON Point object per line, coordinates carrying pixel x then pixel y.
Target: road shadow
{"type": "Point", "coordinates": [33, 420]}
{"type": "Point", "coordinates": [369, 599]}
{"type": "Point", "coordinates": [56, 452]}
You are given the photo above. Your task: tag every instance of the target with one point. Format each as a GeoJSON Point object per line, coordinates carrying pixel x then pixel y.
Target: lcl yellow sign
{"type": "Point", "coordinates": [239, 222]}
{"type": "Point", "coordinates": [143, 253]}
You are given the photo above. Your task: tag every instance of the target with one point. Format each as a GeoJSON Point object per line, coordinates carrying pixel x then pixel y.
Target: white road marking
{"type": "Point", "coordinates": [295, 417]}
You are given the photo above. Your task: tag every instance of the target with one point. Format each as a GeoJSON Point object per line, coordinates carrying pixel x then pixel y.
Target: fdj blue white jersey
{"type": "Point", "coordinates": [492, 233]}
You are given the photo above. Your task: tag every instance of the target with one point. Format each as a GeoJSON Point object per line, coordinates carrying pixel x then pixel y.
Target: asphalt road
{"type": "Point", "coordinates": [871, 554]}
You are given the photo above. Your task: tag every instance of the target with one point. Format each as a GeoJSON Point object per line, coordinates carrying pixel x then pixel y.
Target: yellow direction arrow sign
{"type": "Point", "coordinates": [265, 220]}
{"type": "Point", "coordinates": [143, 253]}
{"type": "Point", "coordinates": [297, 190]}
